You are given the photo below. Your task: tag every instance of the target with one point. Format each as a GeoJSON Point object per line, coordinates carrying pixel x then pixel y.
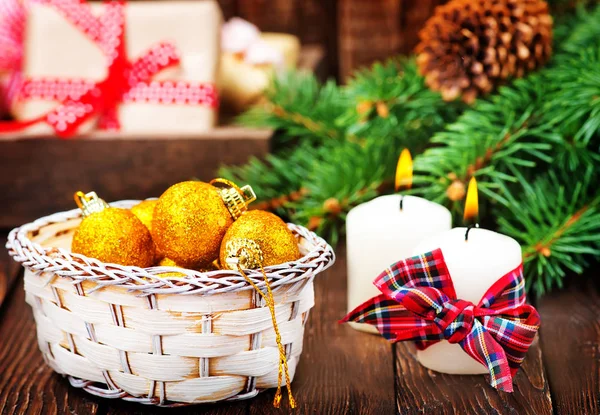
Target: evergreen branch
{"type": "Point", "coordinates": [350, 138]}
{"type": "Point", "coordinates": [350, 174]}
{"type": "Point", "coordinates": [297, 104]}
{"type": "Point", "coordinates": [281, 201]}
{"type": "Point", "coordinates": [557, 221]}
{"type": "Point", "coordinates": [552, 115]}
{"type": "Point", "coordinates": [494, 141]}
{"type": "Point", "coordinates": [579, 31]}
{"type": "Point", "coordinates": [573, 107]}
{"type": "Point", "coordinates": [391, 101]}
{"type": "Point", "coordinates": [273, 178]}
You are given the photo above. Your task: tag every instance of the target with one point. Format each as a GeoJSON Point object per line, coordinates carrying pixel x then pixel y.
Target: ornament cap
{"type": "Point", "coordinates": [235, 198]}
{"type": "Point", "coordinates": [243, 252]}
{"type": "Point", "coordinates": [89, 203]}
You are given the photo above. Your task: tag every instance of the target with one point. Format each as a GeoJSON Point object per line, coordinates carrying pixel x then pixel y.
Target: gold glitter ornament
{"type": "Point", "coordinates": [111, 234]}
{"type": "Point", "coordinates": [258, 238]}
{"type": "Point", "coordinates": [167, 262]}
{"type": "Point", "coordinates": [191, 218]}
{"type": "Point", "coordinates": [144, 212]}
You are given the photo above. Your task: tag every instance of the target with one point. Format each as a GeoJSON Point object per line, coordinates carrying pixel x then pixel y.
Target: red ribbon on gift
{"type": "Point", "coordinates": [82, 100]}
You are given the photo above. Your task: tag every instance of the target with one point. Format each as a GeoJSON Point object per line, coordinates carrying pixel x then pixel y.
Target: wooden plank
{"type": "Point", "coordinates": [38, 176]}
{"type": "Point", "coordinates": [229, 8]}
{"type": "Point", "coordinates": [420, 390]}
{"type": "Point", "coordinates": [313, 56]}
{"type": "Point", "coordinates": [118, 407]}
{"type": "Point", "coordinates": [271, 15]}
{"type": "Point", "coordinates": [27, 385]}
{"type": "Point", "coordinates": [341, 370]}
{"type": "Point", "coordinates": [414, 15]}
{"type": "Point", "coordinates": [9, 270]}
{"type": "Point", "coordinates": [318, 25]}
{"type": "Point", "coordinates": [570, 337]}
{"type": "Point", "coordinates": [367, 31]}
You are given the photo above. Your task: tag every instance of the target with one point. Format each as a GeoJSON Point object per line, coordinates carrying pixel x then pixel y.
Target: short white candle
{"type": "Point", "coordinates": [379, 234]}
{"type": "Point", "coordinates": [474, 265]}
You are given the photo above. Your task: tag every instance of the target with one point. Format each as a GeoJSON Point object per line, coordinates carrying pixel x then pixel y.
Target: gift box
{"type": "Point", "coordinates": [249, 60]}
{"type": "Point", "coordinates": [137, 67]}
{"type": "Point", "coordinates": [121, 165]}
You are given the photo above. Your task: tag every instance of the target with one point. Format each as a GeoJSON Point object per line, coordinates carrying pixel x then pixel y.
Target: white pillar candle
{"type": "Point", "coordinates": [474, 266]}
{"type": "Point", "coordinates": [379, 234]}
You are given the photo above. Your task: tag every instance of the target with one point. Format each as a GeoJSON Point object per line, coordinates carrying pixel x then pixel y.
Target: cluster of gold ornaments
{"type": "Point", "coordinates": [194, 225]}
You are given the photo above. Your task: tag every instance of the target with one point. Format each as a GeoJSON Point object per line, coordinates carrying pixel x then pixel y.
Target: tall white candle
{"type": "Point", "coordinates": [379, 233]}
{"type": "Point", "coordinates": [474, 265]}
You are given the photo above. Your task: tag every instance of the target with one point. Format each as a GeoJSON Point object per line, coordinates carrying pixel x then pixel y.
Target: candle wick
{"type": "Point", "coordinates": [469, 229]}
{"type": "Point", "coordinates": [401, 202]}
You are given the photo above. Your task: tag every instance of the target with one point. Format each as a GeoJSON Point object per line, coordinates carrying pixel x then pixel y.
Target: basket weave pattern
{"type": "Point", "coordinates": [126, 332]}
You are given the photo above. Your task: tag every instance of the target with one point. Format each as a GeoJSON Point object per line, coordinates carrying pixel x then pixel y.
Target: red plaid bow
{"type": "Point", "coordinates": [419, 303]}
{"type": "Point", "coordinates": [126, 81]}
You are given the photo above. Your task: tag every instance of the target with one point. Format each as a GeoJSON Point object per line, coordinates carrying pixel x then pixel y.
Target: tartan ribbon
{"type": "Point", "coordinates": [81, 99]}
{"type": "Point", "coordinates": [419, 303]}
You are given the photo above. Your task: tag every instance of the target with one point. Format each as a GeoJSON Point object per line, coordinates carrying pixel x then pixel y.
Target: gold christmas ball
{"type": "Point", "coordinates": [258, 238]}
{"type": "Point", "coordinates": [144, 212]}
{"type": "Point", "coordinates": [190, 220]}
{"type": "Point", "coordinates": [114, 235]}
{"type": "Point", "coordinates": [167, 262]}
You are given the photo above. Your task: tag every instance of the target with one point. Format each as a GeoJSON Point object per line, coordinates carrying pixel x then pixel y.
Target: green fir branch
{"type": "Point", "coordinates": [392, 101]}
{"type": "Point", "coordinates": [557, 221]}
{"type": "Point", "coordinates": [543, 129]}
{"type": "Point", "coordinates": [300, 107]}
{"type": "Point", "coordinates": [573, 107]}
{"type": "Point", "coordinates": [494, 141]}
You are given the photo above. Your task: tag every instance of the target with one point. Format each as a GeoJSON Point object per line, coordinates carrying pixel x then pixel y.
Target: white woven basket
{"type": "Point", "coordinates": [124, 332]}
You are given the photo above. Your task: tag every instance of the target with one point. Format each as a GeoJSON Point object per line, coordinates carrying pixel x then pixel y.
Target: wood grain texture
{"type": "Point", "coordinates": [420, 390]}
{"type": "Point", "coordinates": [129, 408]}
{"type": "Point", "coordinates": [341, 371]}
{"type": "Point", "coordinates": [27, 385]}
{"type": "Point", "coordinates": [367, 31]}
{"type": "Point", "coordinates": [414, 15]}
{"type": "Point", "coordinates": [271, 15]}
{"type": "Point", "coordinates": [570, 337]}
{"type": "Point", "coordinates": [9, 270]}
{"type": "Point", "coordinates": [38, 176]}
{"type": "Point", "coordinates": [228, 8]}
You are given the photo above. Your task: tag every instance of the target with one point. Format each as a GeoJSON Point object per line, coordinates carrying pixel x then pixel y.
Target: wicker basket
{"type": "Point", "coordinates": [124, 332]}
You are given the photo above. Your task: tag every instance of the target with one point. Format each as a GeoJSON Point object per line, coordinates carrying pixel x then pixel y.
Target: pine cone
{"type": "Point", "coordinates": [468, 47]}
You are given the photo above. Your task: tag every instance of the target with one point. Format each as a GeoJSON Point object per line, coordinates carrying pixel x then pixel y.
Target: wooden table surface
{"type": "Point", "coordinates": [342, 371]}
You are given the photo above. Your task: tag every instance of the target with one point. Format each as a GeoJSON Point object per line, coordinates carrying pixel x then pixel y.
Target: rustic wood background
{"type": "Point", "coordinates": [342, 371]}
{"type": "Point", "coordinates": [354, 32]}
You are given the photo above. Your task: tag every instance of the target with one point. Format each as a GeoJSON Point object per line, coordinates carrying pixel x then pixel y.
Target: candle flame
{"type": "Point", "coordinates": [404, 171]}
{"type": "Point", "coordinates": [472, 203]}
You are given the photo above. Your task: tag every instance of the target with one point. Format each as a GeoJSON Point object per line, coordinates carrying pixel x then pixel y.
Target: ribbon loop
{"type": "Point", "coordinates": [456, 320]}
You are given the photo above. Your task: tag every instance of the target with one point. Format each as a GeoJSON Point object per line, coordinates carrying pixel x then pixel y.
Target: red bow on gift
{"type": "Point", "coordinates": [82, 100]}
{"type": "Point", "coordinates": [418, 303]}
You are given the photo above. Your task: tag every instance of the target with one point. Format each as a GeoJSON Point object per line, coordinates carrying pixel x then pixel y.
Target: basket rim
{"type": "Point", "coordinates": [146, 281]}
